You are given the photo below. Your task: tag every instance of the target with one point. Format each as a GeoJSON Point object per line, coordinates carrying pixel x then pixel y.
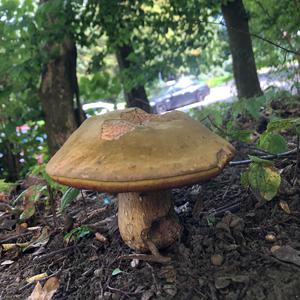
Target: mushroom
{"type": "Point", "coordinates": [141, 157]}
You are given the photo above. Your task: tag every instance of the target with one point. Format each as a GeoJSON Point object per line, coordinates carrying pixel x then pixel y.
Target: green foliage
{"type": "Point", "coordinates": [40, 171]}
{"type": "Point", "coordinates": [284, 124]}
{"type": "Point", "coordinates": [69, 196]}
{"type": "Point", "coordinates": [278, 22]}
{"type": "Point", "coordinates": [272, 143]}
{"type": "Point", "coordinates": [100, 86]}
{"type": "Point", "coordinates": [19, 104]}
{"type": "Point", "coordinates": [263, 178]}
{"type": "Point", "coordinates": [77, 233]}
{"type": "Point", "coordinates": [5, 187]}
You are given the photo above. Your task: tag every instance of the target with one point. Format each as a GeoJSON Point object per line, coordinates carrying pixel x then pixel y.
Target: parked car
{"type": "Point", "coordinates": [180, 93]}
{"type": "Point", "coordinates": [100, 107]}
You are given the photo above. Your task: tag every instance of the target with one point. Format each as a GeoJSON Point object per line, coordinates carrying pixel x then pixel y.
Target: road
{"type": "Point", "coordinates": [227, 92]}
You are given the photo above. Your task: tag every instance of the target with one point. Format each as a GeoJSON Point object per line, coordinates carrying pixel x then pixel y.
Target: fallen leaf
{"type": "Point", "coordinates": [7, 262]}
{"type": "Point", "coordinates": [285, 207]}
{"type": "Point", "coordinates": [36, 293]}
{"type": "Point", "coordinates": [37, 277]}
{"type": "Point", "coordinates": [7, 247]}
{"type": "Point", "coordinates": [116, 272]}
{"type": "Point", "coordinates": [46, 292]}
{"type": "Point", "coordinates": [40, 241]}
{"type": "Point", "coordinates": [287, 254]}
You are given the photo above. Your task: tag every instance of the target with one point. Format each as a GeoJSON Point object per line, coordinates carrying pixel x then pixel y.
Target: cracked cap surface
{"type": "Point", "coordinates": [130, 150]}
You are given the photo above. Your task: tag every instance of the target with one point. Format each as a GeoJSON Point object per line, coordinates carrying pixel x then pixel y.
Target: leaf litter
{"type": "Point", "coordinates": [224, 253]}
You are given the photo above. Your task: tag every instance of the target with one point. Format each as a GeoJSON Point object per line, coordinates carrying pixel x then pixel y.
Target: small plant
{"type": "Point", "coordinates": [261, 176]}
{"type": "Point", "coordinates": [77, 233]}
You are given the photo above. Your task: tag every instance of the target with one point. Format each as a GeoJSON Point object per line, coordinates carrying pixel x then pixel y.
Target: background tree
{"type": "Point", "coordinates": [59, 87]}
{"type": "Point", "coordinates": [277, 21]}
{"type": "Point", "coordinates": [244, 68]}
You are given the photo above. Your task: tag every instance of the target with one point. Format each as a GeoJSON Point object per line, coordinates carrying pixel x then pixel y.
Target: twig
{"type": "Point", "coordinates": [43, 279]}
{"type": "Point", "coordinates": [297, 161]}
{"type": "Point", "coordinates": [52, 203]}
{"type": "Point", "coordinates": [145, 257]}
{"type": "Point", "coordinates": [126, 294]}
{"type": "Point", "coordinates": [93, 214]}
{"type": "Point", "coordinates": [48, 255]}
{"type": "Point", "coordinates": [14, 237]}
{"type": "Point", "coordinates": [254, 35]}
{"type": "Point", "coordinates": [268, 157]}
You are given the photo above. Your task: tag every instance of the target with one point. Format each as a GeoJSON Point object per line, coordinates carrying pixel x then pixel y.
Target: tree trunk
{"type": "Point", "coordinates": [136, 96]}
{"type": "Point", "coordinates": [244, 68]}
{"type": "Point", "coordinates": [59, 90]}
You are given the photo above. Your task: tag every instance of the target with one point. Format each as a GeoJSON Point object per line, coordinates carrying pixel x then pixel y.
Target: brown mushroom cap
{"type": "Point", "coordinates": [130, 151]}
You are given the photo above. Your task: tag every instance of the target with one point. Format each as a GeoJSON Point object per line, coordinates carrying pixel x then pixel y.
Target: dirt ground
{"type": "Point", "coordinates": [224, 253]}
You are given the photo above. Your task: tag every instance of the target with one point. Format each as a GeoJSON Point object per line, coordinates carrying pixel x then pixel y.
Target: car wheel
{"type": "Point", "coordinates": [199, 96]}
{"type": "Point", "coordinates": [161, 107]}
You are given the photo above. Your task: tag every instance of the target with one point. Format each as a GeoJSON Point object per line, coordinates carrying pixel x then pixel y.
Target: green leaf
{"type": "Point", "coordinates": [272, 142]}
{"type": "Point", "coordinates": [283, 124]}
{"type": "Point", "coordinates": [240, 134]}
{"type": "Point", "coordinates": [116, 272]}
{"type": "Point", "coordinates": [244, 179]}
{"type": "Point", "coordinates": [68, 197]}
{"type": "Point", "coordinates": [28, 212]}
{"type": "Point", "coordinates": [77, 233]}
{"type": "Point", "coordinates": [264, 179]}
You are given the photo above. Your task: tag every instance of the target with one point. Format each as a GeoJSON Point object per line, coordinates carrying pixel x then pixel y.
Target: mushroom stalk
{"type": "Point", "coordinates": [147, 219]}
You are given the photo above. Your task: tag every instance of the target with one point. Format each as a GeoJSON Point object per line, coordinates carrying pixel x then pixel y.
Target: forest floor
{"type": "Point", "coordinates": [234, 246]}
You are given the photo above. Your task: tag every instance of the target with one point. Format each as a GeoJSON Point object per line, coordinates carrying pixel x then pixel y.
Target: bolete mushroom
{"type": "Point", "coordinates": [141, 157]}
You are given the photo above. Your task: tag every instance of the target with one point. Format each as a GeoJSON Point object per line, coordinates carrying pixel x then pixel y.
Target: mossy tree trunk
{"type": "Point", "coordinates": [244, 68]}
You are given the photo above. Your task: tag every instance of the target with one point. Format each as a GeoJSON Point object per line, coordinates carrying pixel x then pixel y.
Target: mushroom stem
{"type": "Point", "coordinates": [144, 217]}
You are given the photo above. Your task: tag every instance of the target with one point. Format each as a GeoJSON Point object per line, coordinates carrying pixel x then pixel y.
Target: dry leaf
{"type": "Point", "coordinates": [287, 254]}
{"type": "Point", "coordinates": [7, 247]}
{"type": "Point", "coordinates": [36, 293]}
{"type": "Point", "coordinates": [46, 292]}
{"type": "Point", "coordinates": [285, 207]}
{"type": "Point", "coordinates": [36, 277]}
{"type": "Point", "coordinates": [40, 241]}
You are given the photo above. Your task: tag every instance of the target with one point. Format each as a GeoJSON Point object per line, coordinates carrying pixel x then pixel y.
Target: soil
{"type": "Point", "coordinates": [224, 253]}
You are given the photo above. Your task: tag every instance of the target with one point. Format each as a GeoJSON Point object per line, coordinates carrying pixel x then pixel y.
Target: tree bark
{"type": "Point", "coordinates": [244, 68]}
{"type": "Point", "coordinates": [59, 92]}
{"type": "Point", "coordinates": [136, 96]}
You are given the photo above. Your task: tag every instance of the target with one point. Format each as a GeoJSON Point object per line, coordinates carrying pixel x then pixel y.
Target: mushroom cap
{"type": "Point", "coordinates": [130, 150]}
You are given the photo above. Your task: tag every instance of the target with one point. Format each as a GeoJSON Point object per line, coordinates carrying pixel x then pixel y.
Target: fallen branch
{"type": "Point", "coordinates": [267, 157]}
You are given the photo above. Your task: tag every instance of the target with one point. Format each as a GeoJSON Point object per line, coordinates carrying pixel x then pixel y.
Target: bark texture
{"type": "Point", "coordinates": [136, 97]}
{"type": "Point", "coordinates": [58, 92]}
{"type": "Point", "coordinates": [244, 68]}
{"type": "Point", "coordinates": [144, 217]}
